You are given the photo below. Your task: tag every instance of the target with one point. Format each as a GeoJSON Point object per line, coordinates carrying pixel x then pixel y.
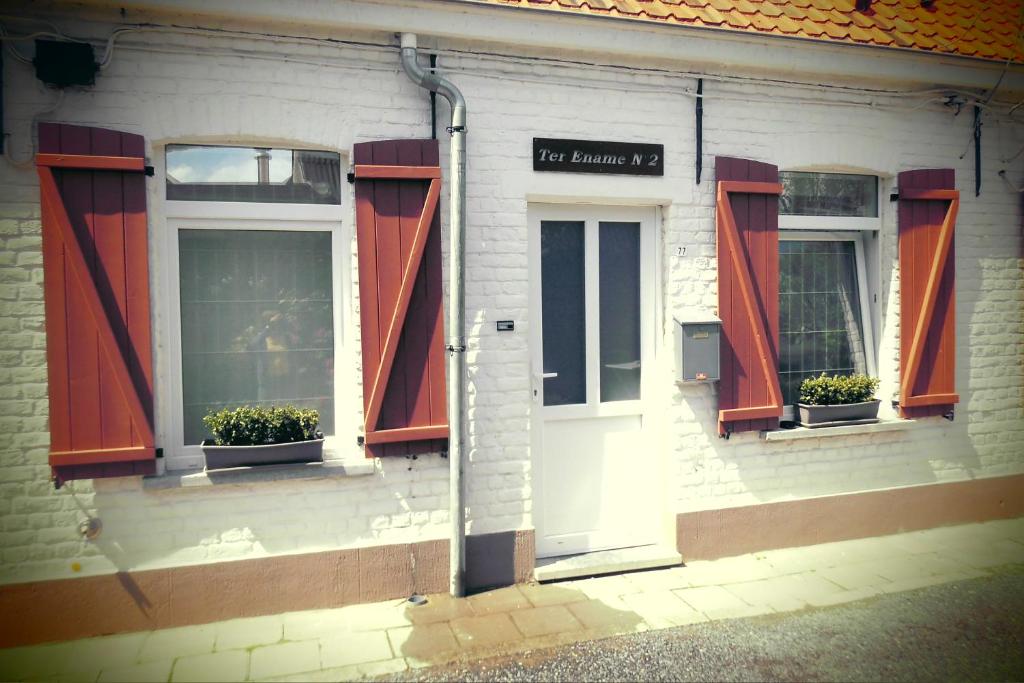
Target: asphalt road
{"type": "Point", "coordinates": [965, 631]}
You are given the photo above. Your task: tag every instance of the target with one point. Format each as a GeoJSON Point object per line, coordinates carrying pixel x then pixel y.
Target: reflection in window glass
{"type": "Point", "coordinates": [256, 322]}
{"type": "Point", "coordinates": [820, 327]}
{"type": "Point", "coordinates": [563, 312]}
{"type": "Point", "coordinates": [247, 174]}
{"type": "Point", "coordinates": [828, 194]}
{"type": "Point", "coordinates": [619, 275]}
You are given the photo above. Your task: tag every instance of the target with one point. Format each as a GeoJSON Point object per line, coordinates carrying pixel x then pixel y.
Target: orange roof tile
{"type": "Point", "coordinates": [987, 29]}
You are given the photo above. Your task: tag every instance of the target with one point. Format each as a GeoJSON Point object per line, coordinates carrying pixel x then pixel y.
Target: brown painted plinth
{"type": "Point", "coordinates": [67, 609]}
{"type": "Point", "coordinates": [710, 534]}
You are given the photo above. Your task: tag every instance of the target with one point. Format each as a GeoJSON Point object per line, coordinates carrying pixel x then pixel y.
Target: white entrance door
{"type": "Point", "coordinates": [592, 342]}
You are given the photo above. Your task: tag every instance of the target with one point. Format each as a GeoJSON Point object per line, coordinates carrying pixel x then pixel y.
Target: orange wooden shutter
{"type": "Point", "coordinates": [928, 207]}
{"type": "Point", "coordinates": [747, 218]}
{"type": "Point", "coordinates": [96, 288]}
{"type": "Point", "coordinates": [398, 186]}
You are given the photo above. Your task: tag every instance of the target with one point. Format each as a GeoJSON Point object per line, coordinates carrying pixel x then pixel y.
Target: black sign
{"type": "Point", "coordinates": [595, 156]}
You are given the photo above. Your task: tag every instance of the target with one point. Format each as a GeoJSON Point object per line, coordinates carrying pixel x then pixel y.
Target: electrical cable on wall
{"type": "Point", "coordinates": [9, 48]}
{"type": "Point", "coordinates": [1009, 183]}
{"type": "Point", "coordinates": [30, 161]}
{"type": "Point", "coordinates": [876, 97]}
{"type": "Point", "coordinates": [112, 39]}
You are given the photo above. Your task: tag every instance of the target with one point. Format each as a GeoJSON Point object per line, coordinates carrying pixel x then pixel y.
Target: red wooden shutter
{"type": "Point", "coordinates": [749, 395]}
{"type": "Point", "coordinates": [96, 287]}
{"type": "Point", "coordinates": [398, 185]}
{"type": "Point", "coordinates": [927, 211]}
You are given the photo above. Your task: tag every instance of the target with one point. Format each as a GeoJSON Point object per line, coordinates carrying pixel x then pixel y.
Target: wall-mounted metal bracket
{"type": "Point", "coordinates": [351, 177]}
{"type": "Point", "coordinates": [360, 441]}
{"type": "Point", "coordinates": [699, 132]}
{"type": "Point", "coordinates": [895, 196]}
{"type": "Point", "coordinates": [950, 415]}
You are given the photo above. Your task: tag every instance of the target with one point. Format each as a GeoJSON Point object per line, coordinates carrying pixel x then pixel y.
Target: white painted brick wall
{"type": "Point", "coordinates": [172, 87]}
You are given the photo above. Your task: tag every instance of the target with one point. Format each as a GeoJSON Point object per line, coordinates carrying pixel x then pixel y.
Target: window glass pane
{"type": "Point", "coordinates": [828, 194]}
{"type": "Point", "coordinates": [619, 275]}
{"type": "Point", "coordinates": [248, 174]}
{"type": "Point", "coordinates": [257, 325]}
{"type": "Point", "coordinates": [563, 309]}
{"type": "Point", "coordinates": [820, 327]}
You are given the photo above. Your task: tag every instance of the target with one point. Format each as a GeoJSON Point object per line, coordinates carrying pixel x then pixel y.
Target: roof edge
{"type": "Point", "coordinates": [696, 47]}
{"type": "Point", "coordinates": [735, 32]}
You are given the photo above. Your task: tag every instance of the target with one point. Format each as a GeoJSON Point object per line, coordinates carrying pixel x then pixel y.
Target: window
{"type": "Point", "coordinates": [828, 194]}
{"type": "Point", "coordinates": [827, 222]}
{"type": "Point", "coordinates": [258, 260]}
{"type": "Point", "coordinates": [252, 174]}
{"type": "Point", "coordinates": [256, 322]}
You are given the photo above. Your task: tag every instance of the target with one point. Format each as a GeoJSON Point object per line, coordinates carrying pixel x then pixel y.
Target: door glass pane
{"type": "Point", "coordinates": [563, 309]}
{"type": "Point", "coordinates": [820, 327]}
{"type": "Point", "coordinates": [619, 274]}
{"type": "Point", "coordinates": [257, 325]}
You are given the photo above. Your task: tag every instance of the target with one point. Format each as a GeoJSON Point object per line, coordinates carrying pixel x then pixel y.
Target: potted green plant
{"type": "Point", "coordinates": [830, 401]}
{"type": "Point", "coordinates": [254, 435]}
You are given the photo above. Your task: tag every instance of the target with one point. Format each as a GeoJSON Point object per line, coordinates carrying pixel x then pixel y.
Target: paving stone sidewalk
{"type": "Point", "coordinates": [389, 637]}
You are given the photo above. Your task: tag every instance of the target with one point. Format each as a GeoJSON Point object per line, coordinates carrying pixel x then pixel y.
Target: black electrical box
{"type": "Point", "coordinates": [62, 63]}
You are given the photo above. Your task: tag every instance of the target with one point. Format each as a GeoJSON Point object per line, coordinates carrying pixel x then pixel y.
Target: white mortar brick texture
{"type": "Point", "coordinates": [182, 88]}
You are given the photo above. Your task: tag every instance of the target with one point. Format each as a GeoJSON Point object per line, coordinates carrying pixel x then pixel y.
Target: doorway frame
{"type": "Point", "coordinates": [654, 399]}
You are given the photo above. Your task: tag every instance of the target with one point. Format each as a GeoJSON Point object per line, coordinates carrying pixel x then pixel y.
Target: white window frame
{"type": "Point", "coordinates": [201, 215]}
{"type": "Point", "coordinates": [840, 223]}
{"type": "Point", "coordinates": [842, 229]}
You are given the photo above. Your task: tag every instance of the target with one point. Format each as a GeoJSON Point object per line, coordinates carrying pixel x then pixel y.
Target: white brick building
{"type": "Point", "coordinates": [182, 546]}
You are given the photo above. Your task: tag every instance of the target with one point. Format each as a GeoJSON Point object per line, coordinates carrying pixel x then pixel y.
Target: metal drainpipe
{"type": "Point", "coordinates": [456, 305]}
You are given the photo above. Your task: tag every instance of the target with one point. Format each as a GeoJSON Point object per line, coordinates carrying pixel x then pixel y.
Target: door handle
{"type": "Point", "coordinates": [538, 385]}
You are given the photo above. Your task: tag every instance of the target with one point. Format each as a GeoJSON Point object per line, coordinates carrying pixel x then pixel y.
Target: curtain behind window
{"type": "Point", "coordinates": [820, 326]}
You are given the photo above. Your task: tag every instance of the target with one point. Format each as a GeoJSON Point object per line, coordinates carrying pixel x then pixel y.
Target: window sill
{"type": "Point", "coordinates": [846, 430]}
{"type": "Point", "coordinates": [328, 469]}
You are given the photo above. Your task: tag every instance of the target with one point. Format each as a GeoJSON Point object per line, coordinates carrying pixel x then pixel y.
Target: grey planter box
{"type": "Point", "coordinates": [219, 457]}
{"type": "Point", "coordinates": [831, 416]}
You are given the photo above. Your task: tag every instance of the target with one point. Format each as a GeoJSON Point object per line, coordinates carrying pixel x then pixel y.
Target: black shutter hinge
{"type": "Point", "coordinates": [150, 171]}
{"type": "Point", "coordinates": [895, 196]}
{"type": "Point", "coordinates": [351, 176]}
